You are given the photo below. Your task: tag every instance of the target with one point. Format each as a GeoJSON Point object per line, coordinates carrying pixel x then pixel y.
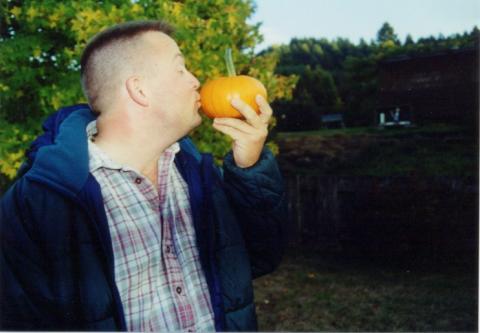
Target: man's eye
{"type": "Point", "coordinates": [182, 69]}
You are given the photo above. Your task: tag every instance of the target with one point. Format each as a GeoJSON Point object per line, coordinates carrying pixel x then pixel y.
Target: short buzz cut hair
{"type": "Point", "coordinates": [107, 53]}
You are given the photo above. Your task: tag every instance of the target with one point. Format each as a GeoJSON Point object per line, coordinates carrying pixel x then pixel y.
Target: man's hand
{"type": "Point", "coordinates": [248, 135]}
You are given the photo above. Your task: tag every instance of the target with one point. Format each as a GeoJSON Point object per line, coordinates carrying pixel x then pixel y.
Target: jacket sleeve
{"type": "Point", "coordinates": [258, 197]}
{"type": "Point", "coordinates": [26, 292]}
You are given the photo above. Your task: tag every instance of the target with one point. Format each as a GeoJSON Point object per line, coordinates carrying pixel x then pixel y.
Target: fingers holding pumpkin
{"type": "Point", "coordinates": [232, 132]}
{"type": "Point", "coordinates": [238, 124]}
{"type": "Point", "coordinates": [248, 141]}
{"type": "Point", "coordinates": [241, 130]}
{"type": "Point", "coordinates": [247, 112]}
{"type": "Point", "coordinates": [249, 135]}
{"type": "Point", "coordinates": [265, 109]}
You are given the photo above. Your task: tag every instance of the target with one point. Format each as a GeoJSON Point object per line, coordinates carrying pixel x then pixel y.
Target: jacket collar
{"type": "Point", "coordinates": [59, 157]}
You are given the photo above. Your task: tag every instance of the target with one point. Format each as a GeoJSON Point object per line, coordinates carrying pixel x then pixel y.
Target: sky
{"type": "Point", "coordinates": [356, 19]}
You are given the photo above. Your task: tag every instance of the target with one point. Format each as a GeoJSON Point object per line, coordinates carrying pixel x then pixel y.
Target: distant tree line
{"type": "Point", "coordinates": [338, 76]}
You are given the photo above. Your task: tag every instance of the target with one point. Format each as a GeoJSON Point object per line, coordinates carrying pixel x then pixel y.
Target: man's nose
{"type": "Point", "coordinates": [195, 82]}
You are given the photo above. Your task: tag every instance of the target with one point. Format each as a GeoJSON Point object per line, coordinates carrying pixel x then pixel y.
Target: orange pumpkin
{"type": "Point", "coordinates": [216, 94]}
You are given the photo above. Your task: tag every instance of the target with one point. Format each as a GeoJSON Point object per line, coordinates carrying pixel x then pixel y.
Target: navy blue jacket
{"type": "Point", "coordinates": [57, 268]}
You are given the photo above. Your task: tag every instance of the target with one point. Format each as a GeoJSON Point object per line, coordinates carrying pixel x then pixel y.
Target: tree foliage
{"type": "Point", "coordinates": [354, 71]}
{"type": "Point", "coordinates": [386, 34]}
{"type": "Point", "coordinates": [41, 43]}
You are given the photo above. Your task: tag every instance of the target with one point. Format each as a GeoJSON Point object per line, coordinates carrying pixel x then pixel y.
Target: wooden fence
{"type": "Point", "coordinates": [383, 215]}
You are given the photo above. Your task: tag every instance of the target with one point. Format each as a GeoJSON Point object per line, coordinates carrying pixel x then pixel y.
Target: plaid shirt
{"type": "Point", "coordinates": [157, 265]}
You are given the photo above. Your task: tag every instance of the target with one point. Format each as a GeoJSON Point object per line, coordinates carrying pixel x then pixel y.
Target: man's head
{"type": "Point", "coordinates": [110, 54]}
{"type": "Point", "coordinates": [139, 63]}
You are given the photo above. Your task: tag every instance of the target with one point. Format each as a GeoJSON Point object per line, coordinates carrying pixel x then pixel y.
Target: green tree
{"type": "Point", "coordinates": [41, 43]}
{"type": "Point", "coordinates": [315, 94]}
{"type": "Point", "coordinates": [409, 40]}
{"type": "Point", "coordinates": [317, 87]}
{"type": "Point", "coordinates": [360, 84]}
{"type": "Point", "coordinates": [386, 35]}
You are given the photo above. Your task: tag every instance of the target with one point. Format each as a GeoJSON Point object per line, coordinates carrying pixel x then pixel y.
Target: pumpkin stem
{"type": "Point", "coordinates": [229, 62]}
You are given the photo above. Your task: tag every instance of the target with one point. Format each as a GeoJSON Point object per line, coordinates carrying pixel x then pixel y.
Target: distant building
{"type": "Point", "coordinates": [440, 87]}
{"type": "Point", "coordinates": [333, 120]}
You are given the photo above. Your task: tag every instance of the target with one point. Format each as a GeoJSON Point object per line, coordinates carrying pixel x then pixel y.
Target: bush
{"type": "Point", "coordinates": [41, 43]}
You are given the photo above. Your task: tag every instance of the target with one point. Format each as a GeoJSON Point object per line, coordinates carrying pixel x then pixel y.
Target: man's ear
{"type": "Point", "coordinates": [135, 90]}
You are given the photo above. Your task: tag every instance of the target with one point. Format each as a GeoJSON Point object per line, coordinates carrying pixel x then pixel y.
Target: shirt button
{"type": "Point", "coordinates": [179, 290]}
{"type": "Point", "coordinates": [138, 180]}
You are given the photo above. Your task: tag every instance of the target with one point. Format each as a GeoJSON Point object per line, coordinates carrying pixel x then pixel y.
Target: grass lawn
{"type": "Point", "coordinates": [308, 294]}
{"type": "Point", "coordinates": [326, 294]}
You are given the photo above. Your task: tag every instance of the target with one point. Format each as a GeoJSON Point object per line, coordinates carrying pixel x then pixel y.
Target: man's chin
{"type": "Point", "coordinates": [199, 119]}
{"type": "Point", "coordinates": [196, 122]}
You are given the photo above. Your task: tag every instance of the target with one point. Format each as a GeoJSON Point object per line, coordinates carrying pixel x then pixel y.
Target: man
{"type": "Point", "coordinates": [117, 222]}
